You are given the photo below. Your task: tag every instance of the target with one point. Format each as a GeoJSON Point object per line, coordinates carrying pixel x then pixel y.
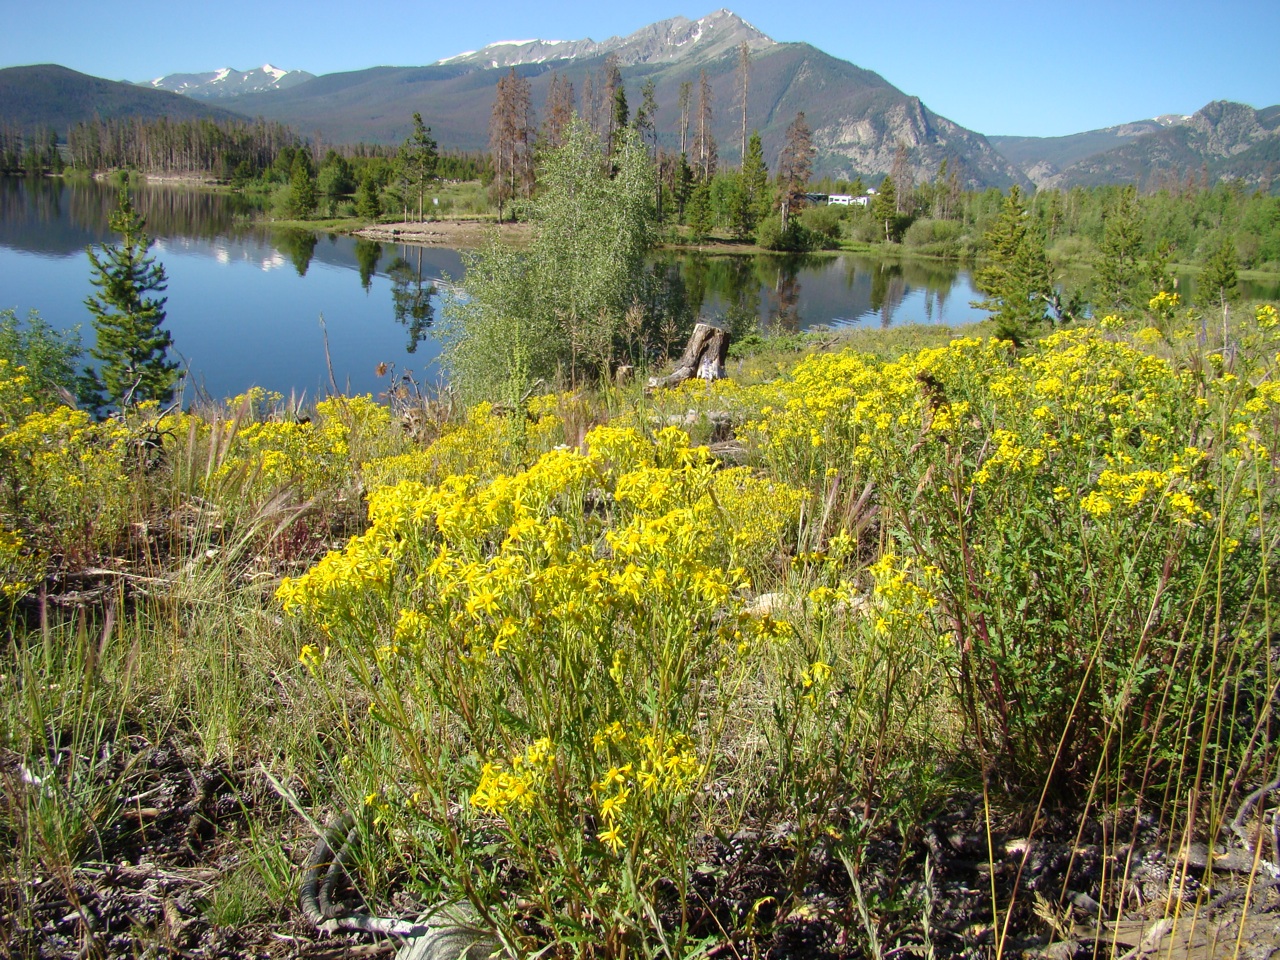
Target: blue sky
{"type": "Point", "coordinates": [1034, 68]}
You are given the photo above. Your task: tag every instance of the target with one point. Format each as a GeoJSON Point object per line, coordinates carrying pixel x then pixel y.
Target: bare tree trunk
{"type": "Point", "coordinates": [703, 357]}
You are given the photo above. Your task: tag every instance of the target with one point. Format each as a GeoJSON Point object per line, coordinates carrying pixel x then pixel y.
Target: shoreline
{"type": "Point", "coordinates": [464, 233]}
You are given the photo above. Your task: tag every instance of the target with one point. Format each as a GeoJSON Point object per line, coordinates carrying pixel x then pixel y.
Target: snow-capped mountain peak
{"type": "Point", "coordinates": [665, 41]}
{"type": "Point", "coordinates": [229, 82]}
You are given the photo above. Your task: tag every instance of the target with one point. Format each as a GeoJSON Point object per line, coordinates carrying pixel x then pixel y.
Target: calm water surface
{"type": "Point", "coordinates": [245, 301]}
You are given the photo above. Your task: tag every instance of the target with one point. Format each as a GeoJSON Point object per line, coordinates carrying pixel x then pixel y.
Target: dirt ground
{"type": "Point", "coordinates": [156, 883]}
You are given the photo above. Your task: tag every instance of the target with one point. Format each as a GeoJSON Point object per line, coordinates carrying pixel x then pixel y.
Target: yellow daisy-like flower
{"type": "Point", "coordinates": [611, 838]}
{"type": "Point", "coordinates": [611, 806]}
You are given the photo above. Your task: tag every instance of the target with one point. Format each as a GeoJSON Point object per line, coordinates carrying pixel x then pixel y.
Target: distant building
{"type": "Point", "coordinates": [847, 200]}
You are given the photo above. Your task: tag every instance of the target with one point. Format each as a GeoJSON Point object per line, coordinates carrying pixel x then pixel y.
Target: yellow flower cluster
{"type": "Point", "coordinates": [899, 602]}
{"type": "Point", "coordinates": [1127, 491]}
{"type": "Point", "coordinates": [513, 786]}
{"type": "Point", "coordinates": [611, 575]}
{"type": "Point", "coordinates": [485, 444]}
{"type": "Point", "coordinates": [19, 568]}
{"type": "Point", "coordinates": [659, 769]}
{"type": "Point", "coordinates": [522, 545]}
{"type": "Point", "coordinates": [70, 474]}
{"type": "Point", "coordinates": [259, 452]}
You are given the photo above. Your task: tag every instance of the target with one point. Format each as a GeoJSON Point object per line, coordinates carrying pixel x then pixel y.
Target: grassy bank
{"type": "Point", "coordinates": [898, 643]}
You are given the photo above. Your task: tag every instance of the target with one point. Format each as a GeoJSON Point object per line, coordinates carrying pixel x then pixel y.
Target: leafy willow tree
{"type": "Point", "coordinates": [562, 305]}
{"type": "Point", "coordinates": [1015, 277]}
{"type": "Point", "coordinates": [51, 357]}
{"type": "Point", "coordinates": [131, 344]}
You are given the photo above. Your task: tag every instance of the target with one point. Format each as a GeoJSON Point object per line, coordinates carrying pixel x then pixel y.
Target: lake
{"type": "Point", "coordinates": [245, 300]}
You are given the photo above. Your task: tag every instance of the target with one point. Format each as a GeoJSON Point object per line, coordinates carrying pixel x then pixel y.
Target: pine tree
{"type": "Point", "coordinates": [621, 113]}
{"type": "Point", "coordinates": [368, 253]}
{"type": "Point", "coordinates": [616, 111]}
{"type": "Point", "coordinates": [1118, 266]}
{"type": "Point", "coordinates": [903, 181]}
{"type": "Point", "coordinates": [510, 136]}
{"type": "Point", "coordinates": [417, 160]}
{"type": "Point", "coordinates": [1217, 283]}
{"type": "Point", "coordinates": [367, 205]}
{"type": "Point", "coordinates": [686, 92]}
{"type": "Point", "coordinates": [683, 185]}
{"type": "Point", "coordinates": [1016, 275]}
{"type": "Point", "coordinates": [302, 186]}
{"type": "Point", "coordinates": [755, 178]}
{"type": "Point", "coordinates": [646, 116]}
{"type": "Point", "coordinates": [130, 344]}
{"type": "Point", "coordinates": [698, 213]}
{"type": "Point", "coordinates": [558, 112]}
{"type": "Point", "coordinates": [885, 207]}
{"type": "Point", "coordinates": [744, 78]}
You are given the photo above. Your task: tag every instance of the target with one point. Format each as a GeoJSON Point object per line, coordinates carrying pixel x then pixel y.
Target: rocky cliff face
{"type": "Point", "coordinates": [1224, 139]}
{"type": "Point", "coordinates": [867, 140]}
{"type": "Point", "coordinates": [1225, 129]}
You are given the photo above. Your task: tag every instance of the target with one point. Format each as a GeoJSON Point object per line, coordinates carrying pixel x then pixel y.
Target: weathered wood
{"type": "Point", "coordinates": [703, 357]}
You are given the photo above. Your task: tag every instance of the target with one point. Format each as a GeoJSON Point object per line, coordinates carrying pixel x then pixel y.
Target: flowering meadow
{"type": "Point", "coordinates": [624, 691]}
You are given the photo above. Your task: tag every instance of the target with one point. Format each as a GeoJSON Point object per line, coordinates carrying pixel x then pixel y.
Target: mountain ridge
{"type": "Point", "coordinates": [49, 95]}
{"type": "Point", "coordinates": [858, 119]}
{"type": "Point", "coordinates": [228, 82]}
{"type": "Point", "coordinates": [1221, 140]}
{"type": "Point", "coordinates": [723, 30]}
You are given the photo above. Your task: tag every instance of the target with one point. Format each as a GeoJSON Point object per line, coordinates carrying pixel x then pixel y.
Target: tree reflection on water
{"type": "Point", "coordinates": [411, 299]}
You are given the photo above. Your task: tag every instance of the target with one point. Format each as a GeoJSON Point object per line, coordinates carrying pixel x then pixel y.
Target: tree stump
{"type": "Point", "coordinates": [703, 357]}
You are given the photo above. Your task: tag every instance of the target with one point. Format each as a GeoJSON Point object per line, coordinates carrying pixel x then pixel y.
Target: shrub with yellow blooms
{"type": "Point", "coordinates": [569, 633]}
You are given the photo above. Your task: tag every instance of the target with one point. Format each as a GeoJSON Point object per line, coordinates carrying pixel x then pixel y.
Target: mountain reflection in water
{"type": "Point", "coordinates": [245, 300]}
